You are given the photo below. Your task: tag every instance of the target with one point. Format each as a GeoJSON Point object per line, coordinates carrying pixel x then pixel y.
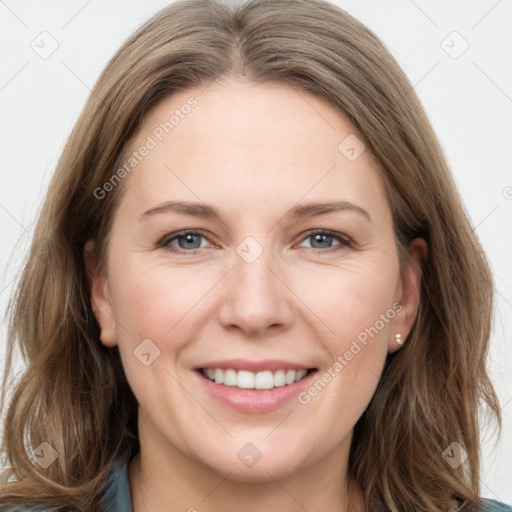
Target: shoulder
{"type": "Point", "coordinates": [494, 506]}
{"type": "Point", "coordinates": [116, 495]}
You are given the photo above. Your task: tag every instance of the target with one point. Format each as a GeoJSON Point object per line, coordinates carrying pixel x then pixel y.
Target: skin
{"type": "Point", "coordinates": [253, 152]}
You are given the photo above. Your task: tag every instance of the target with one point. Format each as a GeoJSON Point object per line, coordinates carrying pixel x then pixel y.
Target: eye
{"type": "Point", "coordinates": [184, 241]}
{"type": "Point", "coordinates": [190, 241]}
{"type": "Point", "coordinates": [322, 239]}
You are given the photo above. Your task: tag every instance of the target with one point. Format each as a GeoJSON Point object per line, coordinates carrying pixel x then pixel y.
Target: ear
{"type": "Point", "coordinates": [99, 294]}
{"type": "Point", "coordinates": [408, 292]}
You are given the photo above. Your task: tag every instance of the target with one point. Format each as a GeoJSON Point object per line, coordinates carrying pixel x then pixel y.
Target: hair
{"type": "Point", "coordinates": [73, 393]}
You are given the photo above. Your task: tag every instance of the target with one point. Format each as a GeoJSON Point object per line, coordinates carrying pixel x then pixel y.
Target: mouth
{"type": "Point", "coordinates": [254, 386]}
{"type": "Point", "coordinates": [254, 392]}
{"type": "Point", "coordinates": [260, 381]}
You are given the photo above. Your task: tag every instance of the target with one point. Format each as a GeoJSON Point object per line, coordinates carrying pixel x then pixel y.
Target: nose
{"type": "Point", "coordinates": [256, 298]}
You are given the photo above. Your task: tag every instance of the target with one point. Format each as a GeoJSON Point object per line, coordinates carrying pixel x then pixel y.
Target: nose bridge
{"type": "Point", "coordinates": [252, 263]}
{"type": "Point", "coordinates": [254, 297]}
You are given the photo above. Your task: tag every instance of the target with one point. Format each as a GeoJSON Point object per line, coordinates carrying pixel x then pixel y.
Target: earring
{"type": "Point", "coordinates": [398, 338]}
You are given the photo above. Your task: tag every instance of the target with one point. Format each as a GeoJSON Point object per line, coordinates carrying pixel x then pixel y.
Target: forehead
{"type": "Point", "coordinates": [241, 142]}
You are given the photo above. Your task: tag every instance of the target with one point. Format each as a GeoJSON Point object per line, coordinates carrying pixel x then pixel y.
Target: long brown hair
{"type": "Point", "coordinates": [74, 395]}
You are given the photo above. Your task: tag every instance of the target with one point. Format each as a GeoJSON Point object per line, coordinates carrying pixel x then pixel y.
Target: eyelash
{"type": "Point", "coordinates": [345, 242]}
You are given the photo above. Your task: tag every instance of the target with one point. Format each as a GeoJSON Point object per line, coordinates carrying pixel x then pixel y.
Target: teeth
{"type": "Point", "coordinates": [230, 378]}
{"type": "Point", "coordinates": [264, 380]}
{"type": "Point", "coordinates": [219, 376]}
{"type": "Point", "coordinates": [245, 379]}
{"type": "Point", "coordinates": [249, 380]}
{"type": "Point", "coordinates": [280, 378]}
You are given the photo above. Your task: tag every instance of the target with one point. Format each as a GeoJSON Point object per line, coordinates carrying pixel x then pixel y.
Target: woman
{"type": "Point", "coordinates": [251, 286]}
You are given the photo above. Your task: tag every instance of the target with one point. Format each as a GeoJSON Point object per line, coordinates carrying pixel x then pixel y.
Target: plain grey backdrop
{"type": "Point", "coordinates": [458, 56]}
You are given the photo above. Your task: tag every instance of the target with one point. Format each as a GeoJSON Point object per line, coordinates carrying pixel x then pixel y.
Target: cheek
{"type": "Point", "coordinates": [351, 299]}
{"type": "Point", "coordinates": [355, 309]}
{"type": "Point", "coordinates": [159, 309]}
{"type": "Point", "coordinates": [155, 301]}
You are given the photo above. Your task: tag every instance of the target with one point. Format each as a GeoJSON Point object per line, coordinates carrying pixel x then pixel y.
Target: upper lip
{"type": "Point", "coordinates": [254, 366]}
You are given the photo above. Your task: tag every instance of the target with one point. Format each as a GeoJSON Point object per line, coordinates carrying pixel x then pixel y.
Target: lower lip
{"type": "Point", "coordinates": [252, 400]}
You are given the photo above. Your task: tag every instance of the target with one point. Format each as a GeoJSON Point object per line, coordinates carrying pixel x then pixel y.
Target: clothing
{"type": "Point", "coordinates": [117, 496]}
{"type": "Point", "coordinates": [118, 499]}
{"type": "Point", "coordinates": [117, 493]}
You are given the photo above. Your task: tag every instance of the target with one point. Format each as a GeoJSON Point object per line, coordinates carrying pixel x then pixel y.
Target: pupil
{"type": "Point", "coordinates": [318, 238]}
{"type": "Point", "coordinates": [189, 239]}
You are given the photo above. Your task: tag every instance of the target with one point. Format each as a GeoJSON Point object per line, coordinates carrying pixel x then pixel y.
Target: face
{"type": "Point", "coordinates": [269, 279]}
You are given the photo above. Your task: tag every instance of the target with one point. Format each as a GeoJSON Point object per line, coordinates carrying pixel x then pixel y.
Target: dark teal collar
{"type": "Point", "coordinates": [118, 499]}
{"type": "Point", "coordinates": [117, 496]}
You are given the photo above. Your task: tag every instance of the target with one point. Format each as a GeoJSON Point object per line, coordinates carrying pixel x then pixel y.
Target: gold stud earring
{"type": "Point", "coordinates": [398, 338]}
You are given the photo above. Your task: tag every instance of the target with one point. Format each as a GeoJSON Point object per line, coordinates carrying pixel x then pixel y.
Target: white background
{"type": "Point", "coordinates": [468, 99]}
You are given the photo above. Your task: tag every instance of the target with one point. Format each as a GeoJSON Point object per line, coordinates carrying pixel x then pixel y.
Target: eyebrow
{"type": "Point", "coordinates": [207, 211]}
